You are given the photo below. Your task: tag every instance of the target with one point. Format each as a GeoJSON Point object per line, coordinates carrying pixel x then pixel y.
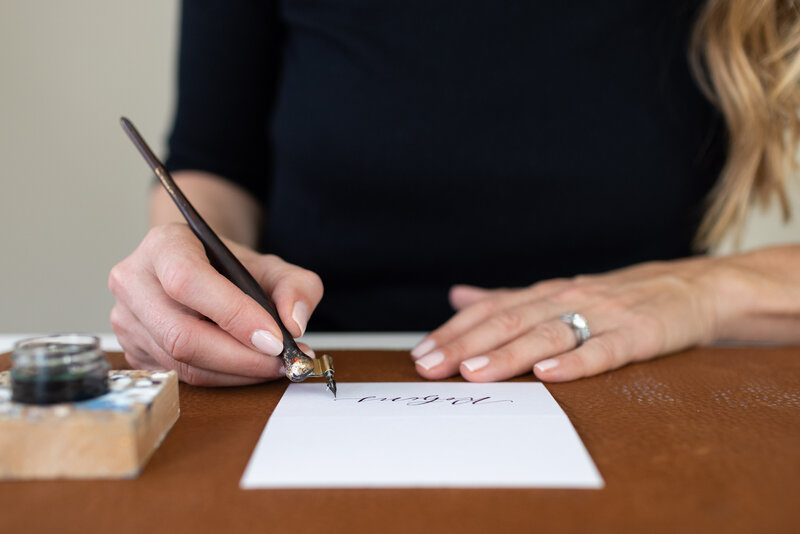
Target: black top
{"type": "Point", "coordinates": [403, 146]}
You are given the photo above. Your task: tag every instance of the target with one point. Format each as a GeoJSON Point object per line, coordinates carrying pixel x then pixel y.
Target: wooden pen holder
{"type": "Point", "coordinates": [110, 436]}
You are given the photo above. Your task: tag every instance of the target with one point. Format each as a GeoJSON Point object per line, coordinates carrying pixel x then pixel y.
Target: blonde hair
{"type": "Point", "coordinates": [745, 55]}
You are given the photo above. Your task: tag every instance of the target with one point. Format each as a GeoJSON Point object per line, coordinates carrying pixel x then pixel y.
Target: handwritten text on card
{"type": "Point", "coordinates": [428, 399]}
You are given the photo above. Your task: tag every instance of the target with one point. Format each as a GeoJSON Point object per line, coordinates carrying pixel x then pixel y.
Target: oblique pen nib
{"type": "Point", "coordinates": [331, 384]}
{"type": "Point", "coordinates": [323, 366]}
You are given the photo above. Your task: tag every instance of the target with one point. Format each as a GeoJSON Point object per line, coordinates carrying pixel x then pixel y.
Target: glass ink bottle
{"type": "Point", "coordinates": [58, 368]}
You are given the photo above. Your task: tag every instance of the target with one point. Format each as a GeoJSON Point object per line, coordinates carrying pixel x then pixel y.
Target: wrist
{"type": "Point", "coordinates": [731, 288]}
{"type": "Point", "coordinates": [756, 295]}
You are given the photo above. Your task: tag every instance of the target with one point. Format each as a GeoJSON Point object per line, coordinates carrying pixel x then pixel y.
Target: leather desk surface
{"type": "Point", "coordinates": [703, 441]}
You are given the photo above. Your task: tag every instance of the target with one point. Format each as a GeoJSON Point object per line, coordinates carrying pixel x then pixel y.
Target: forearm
{"type": "Point", "coordinates": [228, 209]}
{"type": "Point", "coordinates": [757, 295]}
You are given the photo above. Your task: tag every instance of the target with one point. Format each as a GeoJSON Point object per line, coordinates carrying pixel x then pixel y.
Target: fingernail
{"type": "Point", "coordinates": [423, 348]}
{"type": "Point", "coordinates": [545, 365]}
{"type": "Point", "coordinates": [300, 315]}
{"type": "Point", "coordinates": [473, 364]}
{"type": "Point", "coordinates": [266, 343]}
{"type": "Point", "coordinates": [431, 360]}
{"type": "Point", "coordinates": [310, 353]}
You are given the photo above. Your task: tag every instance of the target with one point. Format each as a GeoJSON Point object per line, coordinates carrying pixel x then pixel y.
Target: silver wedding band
{"type": "Point", "coordinates": [579, 326]}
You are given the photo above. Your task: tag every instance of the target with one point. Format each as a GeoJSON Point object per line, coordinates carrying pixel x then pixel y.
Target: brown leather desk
{"type": "Point", "coordinates": [703, 441]}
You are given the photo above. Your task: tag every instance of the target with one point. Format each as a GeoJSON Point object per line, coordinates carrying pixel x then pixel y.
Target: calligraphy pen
{"type": "Point", "coordinates": [298, 365]}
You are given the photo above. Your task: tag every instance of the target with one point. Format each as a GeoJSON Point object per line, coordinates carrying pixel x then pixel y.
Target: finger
{"type": "Point", "coordinates": [543, 341]}
{"type": "Point", "coordinates": [193, 375]}
{"type": "Point", "coordinates": [295, 291]}
{"type": "Point", "coordinates": [601, 353]}
{"type": "Point", "coordinates": [517, 357]}
{"type": "Point", "coordinates": [130, 332]}
{"type": "Point", "coordinates": [496, 331]}
{"type": "Point", "coordinates": [190, 280]}
{"type": "Point", "coordinates": [474, 314]}
{"type": "Point", "coordinates": [308, 351]}
{"type": "Point", "coordinates": [179, 334]}
{"type": "Point", "coordinates": [461, 295]}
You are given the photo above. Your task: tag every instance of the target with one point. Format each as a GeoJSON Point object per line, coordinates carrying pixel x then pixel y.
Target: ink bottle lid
{"type": "Point", "coordinates": [58, 368]}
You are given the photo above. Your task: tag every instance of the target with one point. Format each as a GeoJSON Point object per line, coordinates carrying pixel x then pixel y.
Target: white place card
{"type": "Point", "coordinates": [420, 434]}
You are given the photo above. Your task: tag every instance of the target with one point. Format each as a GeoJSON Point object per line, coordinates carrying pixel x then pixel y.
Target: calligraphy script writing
{"type": "Point", "coordinates": [428, 399]}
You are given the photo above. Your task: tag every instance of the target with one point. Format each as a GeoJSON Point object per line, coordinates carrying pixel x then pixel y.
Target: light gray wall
{"type": "Point", "coordinates": [73, 188]}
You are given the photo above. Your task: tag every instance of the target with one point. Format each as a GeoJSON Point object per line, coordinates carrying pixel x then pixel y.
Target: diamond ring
{"type": "Point", "coordinates": [579, 326]}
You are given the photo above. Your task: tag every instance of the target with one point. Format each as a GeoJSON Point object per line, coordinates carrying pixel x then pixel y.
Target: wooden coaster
{"type": "Point", "coordinates": [111, 436]}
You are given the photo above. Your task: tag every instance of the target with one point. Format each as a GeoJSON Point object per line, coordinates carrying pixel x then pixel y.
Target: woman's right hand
{"type": "Point", "coordinates": [167, 288]}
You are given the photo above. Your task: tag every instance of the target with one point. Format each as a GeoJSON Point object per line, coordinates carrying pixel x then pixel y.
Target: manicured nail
{"type": "Point", "coordinates": [423, 348]}
{"type": "Point", "coordinates": [545, 365]}
{"type": "Point", "coordinates": [266, 343]}
{"type": "Point", "coordinates": [431, 360]}
{"type": "Point", "coordinates": [310, 353]}
{"type": "Point", "coordinates": [478, 362]}
{"type": "Point", "coordinates": [300, 315]}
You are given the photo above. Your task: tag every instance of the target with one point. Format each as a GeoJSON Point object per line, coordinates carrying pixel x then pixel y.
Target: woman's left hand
{"type": "Point", "coordinates": [633, 314]}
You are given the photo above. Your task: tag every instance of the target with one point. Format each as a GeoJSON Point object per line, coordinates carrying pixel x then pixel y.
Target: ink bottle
{"type": "Point", "coordinates": [58, 368]}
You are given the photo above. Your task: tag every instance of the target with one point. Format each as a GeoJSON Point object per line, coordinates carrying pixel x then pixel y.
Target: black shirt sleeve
{"type": "Point", "coordinates": [228, 60]}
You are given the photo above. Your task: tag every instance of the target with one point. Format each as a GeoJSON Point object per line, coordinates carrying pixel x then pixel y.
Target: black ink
{"type": "Point", "coordinates": [428, 399]}
{"type": "Point", "coordinates": [39, 390]}
{"type": "Point", "coordinates": [59, 368]}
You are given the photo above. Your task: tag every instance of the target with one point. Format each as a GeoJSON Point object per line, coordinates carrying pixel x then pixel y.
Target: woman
{"type": "Point", "coordinates": [398, 149]}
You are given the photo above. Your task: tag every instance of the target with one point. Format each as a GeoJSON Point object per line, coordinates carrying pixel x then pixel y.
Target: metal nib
{"type": "Point", "coordinates": [323, 366]}
{"type": "Point", "coordinates": [331, 383]}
